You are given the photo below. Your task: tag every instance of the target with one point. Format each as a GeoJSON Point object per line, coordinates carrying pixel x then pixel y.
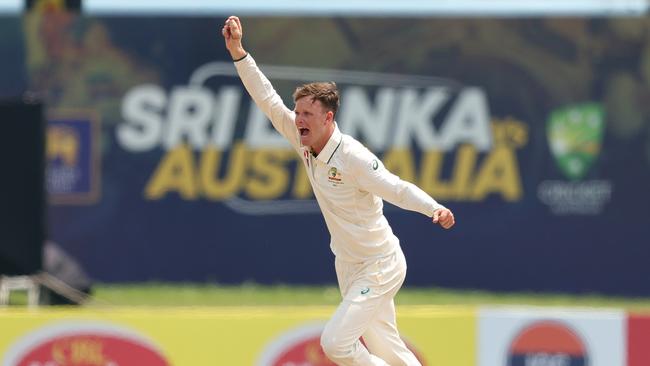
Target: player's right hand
{"type": "Point", "coordinates": [233, 32]}
{"type": "Point", "coordinates": [232, 29]}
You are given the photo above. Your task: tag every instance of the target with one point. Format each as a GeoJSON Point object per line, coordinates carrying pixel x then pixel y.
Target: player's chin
{"type": "Point", "coordinates": [305, 140]}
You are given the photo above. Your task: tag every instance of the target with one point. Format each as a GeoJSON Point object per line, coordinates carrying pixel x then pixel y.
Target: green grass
{"type": "Point", "coordinates": [253, 294]}
{"type": "Point", "coordinates": [213, 295]}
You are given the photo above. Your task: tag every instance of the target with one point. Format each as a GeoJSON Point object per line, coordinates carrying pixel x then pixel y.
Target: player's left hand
{"type": "Point", "coordinates": [444, 217]}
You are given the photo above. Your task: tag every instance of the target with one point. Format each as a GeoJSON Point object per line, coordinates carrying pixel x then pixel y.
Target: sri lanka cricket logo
{"type": "Point", "coordinates": [73, 157]}
{"type": "Point", "coordinates": [574, 135]}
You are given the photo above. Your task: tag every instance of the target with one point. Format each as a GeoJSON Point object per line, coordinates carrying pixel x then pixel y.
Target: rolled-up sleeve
{"type": "Point", "coordinates": [373, 177]}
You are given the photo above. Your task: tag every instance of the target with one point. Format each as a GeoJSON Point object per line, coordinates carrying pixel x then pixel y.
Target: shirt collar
{"type": "Point", "coordinates": [331, 146]}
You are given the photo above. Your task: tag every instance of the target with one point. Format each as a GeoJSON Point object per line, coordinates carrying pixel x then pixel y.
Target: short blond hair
{"type": "Point", "coordinates": [325, 92]}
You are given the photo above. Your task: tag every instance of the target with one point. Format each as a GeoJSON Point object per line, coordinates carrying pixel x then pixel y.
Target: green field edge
{"type": "Point", "coordinates": [160, 294]}
{"type": "Point", "coordinates": [251, 294]}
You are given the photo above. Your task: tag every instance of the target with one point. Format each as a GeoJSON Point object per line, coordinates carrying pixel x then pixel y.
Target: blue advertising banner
{"type": "Point", "coordinates": [535, 132]}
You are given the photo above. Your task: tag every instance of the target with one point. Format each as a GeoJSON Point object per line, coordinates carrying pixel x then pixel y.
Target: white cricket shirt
{"type": "Point", "coordinates": [348, 180]}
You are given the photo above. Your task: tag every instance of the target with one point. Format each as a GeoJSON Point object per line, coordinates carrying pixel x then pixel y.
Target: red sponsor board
{"type": "Point", "coordinates": [79, 344]}
{"type": "Point", "coordinates": [305, 352]}
{"type": "Point", "coordinates": [638, 339]}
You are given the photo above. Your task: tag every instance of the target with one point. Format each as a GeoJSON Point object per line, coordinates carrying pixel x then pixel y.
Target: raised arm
{"type": "Point", "coordinates": [372, 176]}
{"type": "Point", "coordinates": [257, 85]}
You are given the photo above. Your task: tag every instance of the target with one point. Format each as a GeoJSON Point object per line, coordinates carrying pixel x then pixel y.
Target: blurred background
{"type": "Point", "coordinates": [137, 171]}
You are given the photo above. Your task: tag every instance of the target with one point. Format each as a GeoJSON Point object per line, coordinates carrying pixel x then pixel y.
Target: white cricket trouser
{"type": "Point", "coordinates": [368, 311]}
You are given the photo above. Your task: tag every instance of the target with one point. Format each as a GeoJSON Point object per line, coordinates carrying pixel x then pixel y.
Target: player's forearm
{"type": "Point", "coordinates": [266, 98]}
{"type": "Point", "coordinates": [411, 197]}
{"type": "Point", "coordinates": [257, 85]}
{"type": "Point", "coordinates": [237, 52]}
{"type": "Point", "coordinates": [424, 203]}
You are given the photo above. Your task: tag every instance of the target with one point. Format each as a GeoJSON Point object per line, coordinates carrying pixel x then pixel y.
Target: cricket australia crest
{"type": "Point", "coordinates": [334, 176]}
{"type": "Point", "coordinates": [574, 135]}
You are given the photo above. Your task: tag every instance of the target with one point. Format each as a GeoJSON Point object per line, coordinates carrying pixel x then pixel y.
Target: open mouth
{"type": "Point", "coordinates": [303, 131]}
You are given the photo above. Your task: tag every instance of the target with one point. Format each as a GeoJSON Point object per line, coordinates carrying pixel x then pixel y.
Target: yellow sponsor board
{"type": "Point", "coordinates": [444, 335]}
{"type": "Point", "coordinates": [206, 336]}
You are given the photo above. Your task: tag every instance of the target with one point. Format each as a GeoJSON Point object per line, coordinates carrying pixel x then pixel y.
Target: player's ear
{"type": "Point", "coordinates": [329, 116]}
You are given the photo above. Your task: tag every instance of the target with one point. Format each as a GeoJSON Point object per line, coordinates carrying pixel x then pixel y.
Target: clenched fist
{"type": "Point", "coordinates": [444, 217]}
{"type": "Point", "coordinates": [232, 32]}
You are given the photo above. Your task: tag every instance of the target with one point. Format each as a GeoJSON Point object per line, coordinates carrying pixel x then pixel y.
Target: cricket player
{"type": "Point", "coordinates": [349, 183]}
